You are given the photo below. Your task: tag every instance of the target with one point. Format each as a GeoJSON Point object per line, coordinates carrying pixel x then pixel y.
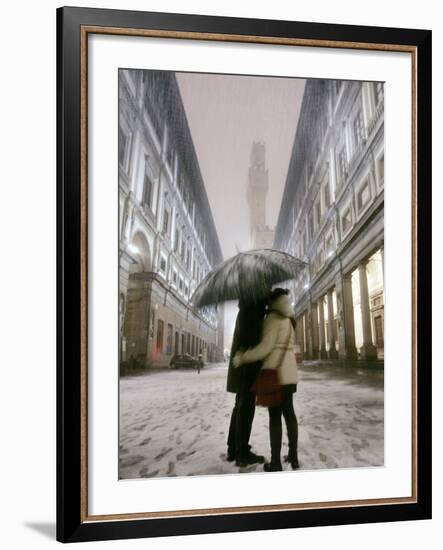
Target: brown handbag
{"type": "Point", "coordinates": [267, 389]}
{"type": "Point", "coordinates": [267, 386]}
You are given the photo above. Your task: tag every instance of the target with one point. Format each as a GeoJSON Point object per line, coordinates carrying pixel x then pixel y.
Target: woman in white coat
{"type": "Point", "coordinates": [277, 351]}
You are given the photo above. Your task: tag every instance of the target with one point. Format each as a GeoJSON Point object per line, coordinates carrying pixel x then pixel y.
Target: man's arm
{"type": "Point", "coordinates": [266, 345]}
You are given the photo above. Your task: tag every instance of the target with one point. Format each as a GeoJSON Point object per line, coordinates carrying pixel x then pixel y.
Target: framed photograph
{"type": "Point", "coordinates": [244, 274]}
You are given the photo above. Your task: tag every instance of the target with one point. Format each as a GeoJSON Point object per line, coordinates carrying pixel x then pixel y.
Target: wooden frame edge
{"type": "Point", "coordinates": [85, 30]}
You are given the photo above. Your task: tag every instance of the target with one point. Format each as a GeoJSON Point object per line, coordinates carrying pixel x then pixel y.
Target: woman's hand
{"type": "Point", "coordinates": [237, 361]}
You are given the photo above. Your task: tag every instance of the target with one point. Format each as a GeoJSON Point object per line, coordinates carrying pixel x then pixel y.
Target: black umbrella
{"type": "Point", "coordinates": [246, 276]}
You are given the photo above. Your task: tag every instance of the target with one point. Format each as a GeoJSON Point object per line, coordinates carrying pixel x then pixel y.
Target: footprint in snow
{"type": "Point", "coordinates": [163, 454]}
{"type": "Point", "coordinates": [131, 461]}
{"type": "Point", "coordinates": [144, 472]}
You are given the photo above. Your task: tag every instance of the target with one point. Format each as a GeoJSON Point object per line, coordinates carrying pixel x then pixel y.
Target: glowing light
{"type": "Point", "coordinates": [330, 253]}
{"type": "Point", "coordinates": [306, 286]}
{"type": "Point", "coordinates": [132, 248]}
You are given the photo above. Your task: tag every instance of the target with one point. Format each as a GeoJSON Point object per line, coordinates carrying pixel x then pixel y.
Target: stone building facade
{"type": "Point", "coordinates": [332, 216]}
{"type": "Point", "coordinates": [167, 236]}
{"type": "Point", "coordinates": [262, 236]}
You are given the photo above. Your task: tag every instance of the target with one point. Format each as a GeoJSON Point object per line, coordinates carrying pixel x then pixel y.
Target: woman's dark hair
{"type": "Point", "coordinates": [277, 292]}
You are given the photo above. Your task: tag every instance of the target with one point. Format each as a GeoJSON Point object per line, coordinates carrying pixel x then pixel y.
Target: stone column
{"type": "Point", "coordinates": [304, 336]}
{"type": "Point", "coordinates": [346, 328]}
{"type": "Point", "coordinates": [314, 331]}
{"type": "Point", "coordinates": [321, 326]}
{"type": "Point", "coordinates": [382, 254]}
{"type": "Point", "coordinates": [368, 350]}
{"type": "Point", "coordinates": [331, 324]}
{"type": "Point", "coordinates": [136, 323]}
{"type": "Point", "coordinates": [308, 328]}
{"type": "Point", "coordinates": [299, 331]}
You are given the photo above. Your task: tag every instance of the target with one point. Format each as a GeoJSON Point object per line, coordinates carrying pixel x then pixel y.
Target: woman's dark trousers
{"type": "Point", "coordinates": [285, 409]}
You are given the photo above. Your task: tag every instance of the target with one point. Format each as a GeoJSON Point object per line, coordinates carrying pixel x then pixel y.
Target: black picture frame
{"type": "Point", "coordinates": [72, 526]}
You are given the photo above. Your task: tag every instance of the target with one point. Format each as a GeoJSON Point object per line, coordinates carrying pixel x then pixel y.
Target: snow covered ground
{"type": "Point", "coordinates": [175, 423]}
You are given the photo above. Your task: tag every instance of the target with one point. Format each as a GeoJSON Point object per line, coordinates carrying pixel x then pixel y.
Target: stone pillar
{"type": "Point", "coordinates": [346, 328]}
{"type": "Point", "coordinates": [368, 351]}
{"type": "Point", "coordinates": [137, 323]}
{"type": "Point", "coordinates": [321, 326]}
{"type": "Point", "coordinates": [309, 338]}
{"type": "Point", "coordinates": [304, 335]}
{"type": "Point", "coordinates": [331, 324]}
{"type": "Point", "coordinates": [314, 331]}
{"type": "Point", "coordinates": [382, 254]}
{"type": "Point", "coordinates": [299, 331]}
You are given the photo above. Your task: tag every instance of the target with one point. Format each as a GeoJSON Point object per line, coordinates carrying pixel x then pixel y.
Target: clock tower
{"type": "Point", "coordinates": [257, 189]}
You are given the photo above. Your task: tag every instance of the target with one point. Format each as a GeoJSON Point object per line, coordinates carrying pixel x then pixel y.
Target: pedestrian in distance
{"type": "Point", "coordinates": [277, 352]}
{"type": "Point", "coordinates": [200, 361]}
{"type": "Point", "coordinates": [247, 333]}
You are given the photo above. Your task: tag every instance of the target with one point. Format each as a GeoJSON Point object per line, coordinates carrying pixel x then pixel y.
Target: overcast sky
{"type": "Point", "coordinates": [226, 114]}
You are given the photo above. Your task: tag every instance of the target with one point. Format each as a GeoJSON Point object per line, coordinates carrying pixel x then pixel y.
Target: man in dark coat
{"type": "Point", "coordinates": [247, 333]}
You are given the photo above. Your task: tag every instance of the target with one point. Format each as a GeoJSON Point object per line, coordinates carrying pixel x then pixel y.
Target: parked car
{"type": "Point", "coordinates": [183, 361]}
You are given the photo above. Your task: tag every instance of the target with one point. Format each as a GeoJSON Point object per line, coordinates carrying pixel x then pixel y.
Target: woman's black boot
{"type": "Point", "coordinates": [275, 436]}
{"type": "Point", "coordinates": [292, 457]}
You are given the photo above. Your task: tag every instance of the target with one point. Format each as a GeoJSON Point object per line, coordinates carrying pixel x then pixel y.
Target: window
{"type": "Point", "coordinates": [318, 212]}
{"type": "Point", "coordinates": [123, 148]}
{"type": "Point", "coordinates": [320, 258]}
{"type": "Point", "coordinates": [188, 259]}
{"type": "Point", "coordinates": [165, 228]}
{"type": "Point", "coordinates": [169, 340]}
{"type": "Point", "coordinates": [326, 191]}
{"type": "Point", "coordinates": [378, 92]}
{"type": "Point", "coordinates": [346, 221]}
{"type": "Point", "coordinates": [188, 342]}
{"type": "Point", "coordinates": [358, 129]}
{"type": "Point", "coordinates": [376, 301]}
{"type": "Point", "coordinates": [341, 166]}
{"type": "Point", "coordinates": [160, 328]}
{"type": "Point", "coordinates": [182, 250]}
{"type": "Point", "coordinates": [310, 168]}
{"type": "Point", "coordinates": [181, 183]}
{"type": "Point", "coordinates": [180, 286]}
{"type": "Point", "coordinates": [380, 169]}
{"type": "Point", "coordinates": [148, 187]}
{"type": "Point", "coordinates": [162, 264]}
{"type": "Point", "coordinates": [311, 224]}
{"type": "Point", "coordinates": [170, 156]}
{"type": "Point", "coordinates": [186, 290]}
{"type": "Point", "coordinates": [174, 277]}
{"type": "Point", "coordinates": [363, 196]}
{"type": "Point", "coordinates": [329, 245]}
{"type": "Point", "coordinates": [176, 240]}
